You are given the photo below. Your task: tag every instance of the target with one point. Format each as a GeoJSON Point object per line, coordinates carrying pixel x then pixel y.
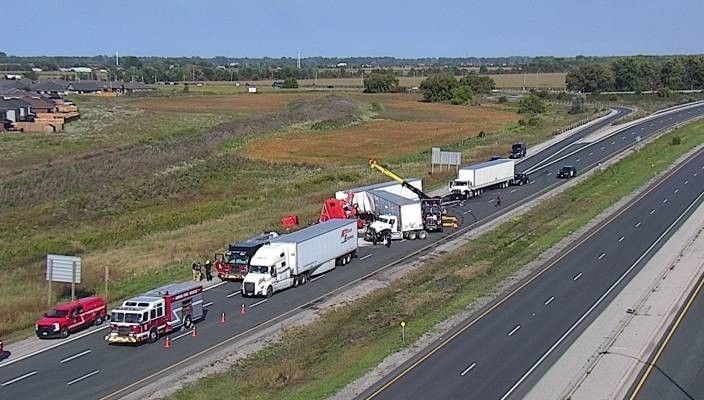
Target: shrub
{"type": "Point", "coordinates": [503, 99]}
{"type": "Point", "coordinates": [676, 140]}
{"type": "Point", "coordinates": [531, 104]}
{"type": "Point", "coordinates": [462, 95]}
{"type": "Point", "coordinates": [290, 83]}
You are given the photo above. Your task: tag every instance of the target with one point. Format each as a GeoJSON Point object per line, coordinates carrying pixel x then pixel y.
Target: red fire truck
{"type": "Point", "coordinates": [158, 312]}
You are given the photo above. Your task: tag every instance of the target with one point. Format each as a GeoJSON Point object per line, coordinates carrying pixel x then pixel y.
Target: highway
{"type": "Point", "coordinates": [87, 368]}
{"type": "Point", "coordinates": [675, 370]}
{"type": "Point", "coordinates": [500, 352]}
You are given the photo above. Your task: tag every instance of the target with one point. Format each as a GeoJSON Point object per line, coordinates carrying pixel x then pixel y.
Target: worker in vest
{"type": "Point", "coordinates": [196, 271]}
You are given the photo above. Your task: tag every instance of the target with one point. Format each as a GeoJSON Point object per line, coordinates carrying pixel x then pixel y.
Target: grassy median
{"type": "Point", "coordinates": [315, 361]}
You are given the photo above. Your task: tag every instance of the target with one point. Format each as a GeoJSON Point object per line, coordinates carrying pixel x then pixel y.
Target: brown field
{"type": "Point", "coordinates": [244, 103]}
{"type": "Point", "coordinates": [404, 126]}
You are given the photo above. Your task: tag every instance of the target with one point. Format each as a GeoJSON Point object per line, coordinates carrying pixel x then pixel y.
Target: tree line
{"type": "Point", "coordinates": [638, 74]}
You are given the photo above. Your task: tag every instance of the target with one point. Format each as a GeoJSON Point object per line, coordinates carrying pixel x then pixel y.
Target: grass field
{"type": "Point", "coordinates": [316, 361]}
{"type": "Point", "coordinates": [145, 185]}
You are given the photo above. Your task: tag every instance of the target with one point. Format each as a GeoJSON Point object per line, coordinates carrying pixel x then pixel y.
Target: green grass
{"type": "Point", "coordinates": [315, 361]}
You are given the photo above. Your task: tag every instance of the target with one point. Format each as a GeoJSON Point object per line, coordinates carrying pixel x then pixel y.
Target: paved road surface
{"type": "Point", "coordinates": [87, 368]}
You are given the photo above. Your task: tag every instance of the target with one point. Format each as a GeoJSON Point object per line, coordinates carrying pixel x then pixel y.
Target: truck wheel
{"type": "Point", "coordinates": [412, 235]}
{"type": "Point", "coordinates": [269, 292]}
{"type": "Point", "coordinates": [348, 258]}
{"type": "Point", "coordinates": [153, 335]}
{"type": "Point", "coordinates": [422, 235]}
{"type": "Point", "coordinates": [98, 320]}
{"type": "Point", "coordinates": [187, 322]}
{"type": "Point", "coordinates": [295, 281]}
{"type": "Point", "coordinates": [64, 332]}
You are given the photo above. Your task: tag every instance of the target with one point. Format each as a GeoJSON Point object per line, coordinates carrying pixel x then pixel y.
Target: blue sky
{"type": "Point", "coordinates": [445, 28]}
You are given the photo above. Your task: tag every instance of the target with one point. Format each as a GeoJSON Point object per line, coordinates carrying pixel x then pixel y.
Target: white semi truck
{"type": "Point", "coordinates": [290, 260]}
{"type": "Point", "coordinates": [473, 179]}
{"type": "Point", "coordinates": [360, 196]}
{"type": "Point", "coordinates": [399, 218]}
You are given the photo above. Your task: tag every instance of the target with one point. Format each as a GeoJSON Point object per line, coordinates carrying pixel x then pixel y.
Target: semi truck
{"type": "Point", "coordinates": [473, 179]}
{"type": "Point", "coordinates": [518, 150]}
{"type": "Point", "coordinates": [399, 218]}
{"type": "Point", "coordinates": [291, 259]}
{"type": "Point", "coordinates": [234, 263]}
{"type": "Point", "coordinates": [156, 313]}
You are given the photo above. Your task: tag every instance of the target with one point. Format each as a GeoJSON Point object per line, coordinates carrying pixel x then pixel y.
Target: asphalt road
{"type": "Point", "coordinates": [501, 352]}
{"type": "Point", "coordinates": [677, 371]}
{"type": "Point", "coordinates": [87, 368]}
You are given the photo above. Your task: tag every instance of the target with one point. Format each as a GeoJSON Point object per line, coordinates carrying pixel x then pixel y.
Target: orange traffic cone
{"type": "Point", "coordinates": [222, 318]}
{"type": "Point", "coordinates": [167, 343]}
{"type": "Point", "coordinates": [194, 333]}
{"type": "Point", "coordinates": [243, 309]}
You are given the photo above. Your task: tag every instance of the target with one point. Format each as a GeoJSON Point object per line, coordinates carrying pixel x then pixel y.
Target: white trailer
{"type": "Point", "coordinates": [291, 259]}
{"type": "Point", "coordinates": [398, 217]}
{"type": "Point", "coordinates": [361, 198]}
{"type": "Point", "coordinates": [473, 179]}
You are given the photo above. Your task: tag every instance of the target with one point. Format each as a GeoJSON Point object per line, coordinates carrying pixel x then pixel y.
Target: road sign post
{"type": "Point", "coordinates": [49, 271]}
{"type": "Point", "coordinates": [403, 332]}
{"type": "Point", "coordinates": [65, 269]}
{"type": "Point", "coordinates": [73, 281]}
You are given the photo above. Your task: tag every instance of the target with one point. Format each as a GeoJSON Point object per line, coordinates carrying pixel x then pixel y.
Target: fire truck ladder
{"type": "Point", "coordinates": [447, 220]}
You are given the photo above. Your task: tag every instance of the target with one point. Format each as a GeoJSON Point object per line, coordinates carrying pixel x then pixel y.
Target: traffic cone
{"type": "Point", "coordinates": [243, 309]}
{"type": "Point", "coordinates": [222, 318]}
{"type": "Point", "coordinates": [167, 343]}
{"type": "Point", "coordinates": [194, 333]}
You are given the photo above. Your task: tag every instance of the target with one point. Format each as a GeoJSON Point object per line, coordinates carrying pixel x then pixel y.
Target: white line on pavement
{"type": "Point", "coordinates": [590, 154]}
{"type": "Point", "coordinates": [686, 182]}
{"type": "Point", "coordinates": [548, 301]}
{"type": "Point", "coordinates": [233, 294]}
{"type": "Point", "coordinates": [513, 190]}
{"type": "Point", "coordinates": [97, 371]}
{"type": "Point", "coordinates": [19, 378]}
{"type": "Point", "coordinates": [471, 367]}
{"type": "Point", "coordinates": [261, 302]}
{"type": "Point", "coordinates": [695, 174]}
{"type": "Point", "coordinates": [602, 255]}
{"type": "Point", "coordinates": [603, 147]}
{"type": "Point", "coordinates": [73, 357]}
{"type": "Point", "coordinates": [579, 275]}
{"type": "Point", "coordinates": [621, 239]}
{"type": "Point", "coordinates": [652, 211]}
{"type": "Point", "coordinates": [365, 257]}
{"type": "Point", "coordinates": [467, 212]}
{"type": "Point", "coordinates": [181, 335]}
{"type": "Point", "coordinates": [208, 304]}
{"type": "Point", "coordinates": [215, 285]}
{"type": "Point", "coordinates": [638, 224]}
{"type": "Point", "coordinates": [664, 201]}
{"type": "Point", "coordinates": [613, 142]}
{"type": "Point", "coordinates": [578, 160]}
{"type": "Point", "coordinates": [514, 330]}
{"type": "Point", "coordinates": [317, 277]}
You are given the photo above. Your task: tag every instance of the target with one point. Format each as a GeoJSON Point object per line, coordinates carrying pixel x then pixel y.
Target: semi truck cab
{"type": "Point", "coordinates": [269, 272]}
{"type": "Point", "coordinates": [384, 225]}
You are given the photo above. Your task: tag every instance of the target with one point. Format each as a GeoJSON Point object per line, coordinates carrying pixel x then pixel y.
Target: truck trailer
{"type": "Point", "coordinates": [291, 259]}
{"type": "Point", "coordinates": [359, 197]}
{"type": "Point", "coordinates": [399, 218]}
{"type": "Point", "coordinates": [473, 179]}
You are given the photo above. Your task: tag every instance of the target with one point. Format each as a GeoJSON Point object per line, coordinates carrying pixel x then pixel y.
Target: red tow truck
{"type": "Point", "coordinates": [156, 313]}
{"type": "Point", "coordinates": [70, 317]}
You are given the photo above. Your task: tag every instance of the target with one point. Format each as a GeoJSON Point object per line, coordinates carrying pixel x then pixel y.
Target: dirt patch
{"type": "Point", "coordinates": [241, 103]}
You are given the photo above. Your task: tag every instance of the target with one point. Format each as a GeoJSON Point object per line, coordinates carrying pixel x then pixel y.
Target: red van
{"type": "Point", "coordinates": [70, 317]}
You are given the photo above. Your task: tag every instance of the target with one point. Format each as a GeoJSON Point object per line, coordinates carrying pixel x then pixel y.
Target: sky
{"type": "Point", "coordinates": [278, 28]}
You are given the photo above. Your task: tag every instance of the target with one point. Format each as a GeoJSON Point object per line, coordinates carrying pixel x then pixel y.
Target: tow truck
{"type": "Point", "coordinates": [433, 215]}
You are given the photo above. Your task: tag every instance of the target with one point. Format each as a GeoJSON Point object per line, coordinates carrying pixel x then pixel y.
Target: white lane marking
{"type": "Point", "coordinates": [695, 174]}
{"type": "Point", "coordinates": [208, 304]}
{"type": "Point", "coordinates": [621, 239]}
{"type": "Point", "coordinates": [467, 212]}
{"type": "Point", "coordinates": [317, 277]}
{"type": "Point", "coordinates": [73, 357]}
{"type": "Point", "coordinates": [261, 302]}
{"type": "Point", "coordinates": [215, 285]}
{"type": "Point", "coordinates": [514, 330]}
{"type": "Point", "coordinates": [602, 255]}
{"type": "Point", "coordinates": [702, 166]}
{"type": "Point", "coordinates": [677, 191]}
{"type": "Point", "coordinates": [532, 182]}
{"type": "Point", "coordinates": [623, 138]}
{"type": "Point", "coordinates": [603, 147]}
{"type": "Point", "coordinates": [652, 211]}
{"type": "Point", "coordinates": [513, 190]}
{"type": "Point", "coordinates": [19, 378]}
{"type": "Point", "coordinates": [613, 142]}
{"type": "Point", "coordinates": [181, 335]}
{"type": "Point", "coordinates": [579, 275]}
{"type": "Point", "coordinates": [686, 182]}
{"type": "Point", "coordinates": [471, 367]}
{"type": "Point", "coordinates": [598, 302]}
{"type": "Point", "coordinates": [548, 301]}
{"type": "Point", "coordinates": [365, 257]}
{"type": "Point", "coordinates": [578, 160]}
{"type": "Point", "coordinates": [490, 201]}
{"type": "Point", "coordinates": [234, 294]}
{"type": "Point", "coordinates": [642, 128]}
{"type": "Point", "coordinates": [638, 224]}
{"type": "Point", "coordinates": [590, 154]}
{"type": "Point", "coordinates": [664, 201]}
{"type": "Point", "coordinates": [97, 371]}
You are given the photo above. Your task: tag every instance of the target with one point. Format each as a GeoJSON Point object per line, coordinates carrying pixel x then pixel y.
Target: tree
{"type": "Point", "coordinates": [290, 83]}
{"type": "Point", "coordinates": [31, 75]}
{"type": "Point", "coordinates": [694, 69]}
{"type": "Point", "coordinates": [577, 105]}
{"type": "Point", "coordinates": [589, 77]}
{"type": "Point", "coordinates": [483, 69]}
{"type": "Point", "coordinates": [478, 84]}
{"type": "Point", "coordinates": [462, 95]}
{"type": "Point", "coordinates": [531, 104]}
{"type": "Point", "coordinates": [380, 82]}
{"type": "Point", "coordinates": [636, 74]}
{"type": "Point", "coordinates": [131, 61]}
{"type": "Point", "coordinates": [673, 74]}
{"type": "Point", "coordinates": [438, 88]}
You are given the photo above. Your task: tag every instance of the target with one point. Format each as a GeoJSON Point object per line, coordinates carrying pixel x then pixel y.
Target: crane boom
{"type": "Point", "coordinates": [375, 165]}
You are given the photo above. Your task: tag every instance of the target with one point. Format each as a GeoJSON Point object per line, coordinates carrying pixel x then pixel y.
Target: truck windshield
{"type": "Point", "coordinates": [458, 183]}
{"type": "Point", "coordinates": [57, 313]}
{"type": "Point", "coordinates": [256, 269]}
{"type": "Point", "coordinates": [239, 257]}
{"type": "Point", "coordinates": [384, 220]}
{"type": "Point", "coordinates": [129, 318]}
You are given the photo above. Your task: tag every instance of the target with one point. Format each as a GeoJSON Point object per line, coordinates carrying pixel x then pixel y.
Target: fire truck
{"type": "Point", "coordinates": [156, 313]}
{"type": "Point", "coordinates": [233, 265]}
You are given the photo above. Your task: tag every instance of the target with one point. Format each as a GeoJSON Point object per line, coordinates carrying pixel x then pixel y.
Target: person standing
{"type": "Point", "coordinates": [498, 201]}
{"type": "Point", "coordinates": [208, 270]}
{"type": "Point", "coordinates": [196, 270]}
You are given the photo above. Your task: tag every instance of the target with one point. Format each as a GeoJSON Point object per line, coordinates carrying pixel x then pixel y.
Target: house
{"type": "Point", "coordinates": [84, 87]}
{"type": "Point", "coordinates": [15, 84]}
{"type": "Point", "coordinates": [14, 110]}
{"type": "Point", "coordinates": [51, 86]}
{"type": "Point", "coordinates": [83, 70]}
{"type": "Point", "coordinates": [126, 87]}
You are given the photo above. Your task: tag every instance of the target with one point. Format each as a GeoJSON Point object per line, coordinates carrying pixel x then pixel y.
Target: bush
{"type": "Point", "coordinates": [676, 140]}
{"type": "Point", "coordinates": [185, 88]}
{"type": "Point", "coordinates": [478, 84]}
{"type": "Point", "coordinates": [462, 95]}
{"type": "Point", "coordinates": [438, 88]}
{"type": "Point", "coordinates": [290, 83]}
{"type": "Point", "coordinates": [503, 99]}
{"type": "Point", "coordinates": [531, 104]}
{"type": "Point", "coordinates": [577, 105]}
{"type": "Point", "coordinates": [664, 92]}
{"type": "Point", "coordinates": [381, 82]}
